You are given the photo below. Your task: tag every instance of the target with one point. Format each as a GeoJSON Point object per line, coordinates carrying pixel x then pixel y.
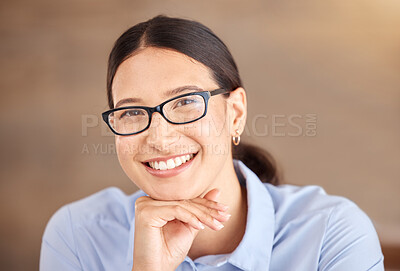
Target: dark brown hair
{"type": "Point", "coordinates": [200, 43]}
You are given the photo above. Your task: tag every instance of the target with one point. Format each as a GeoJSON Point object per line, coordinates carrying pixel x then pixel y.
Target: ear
{"type": "Point", "coordinates": [237, 106]}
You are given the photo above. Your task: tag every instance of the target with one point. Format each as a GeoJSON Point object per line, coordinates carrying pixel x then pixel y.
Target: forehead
{"type": "Point", "coordinates": [152, 71]}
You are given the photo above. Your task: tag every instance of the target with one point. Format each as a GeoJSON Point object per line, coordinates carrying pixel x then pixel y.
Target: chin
{"type": "Point", "coordinates": [172, 194]}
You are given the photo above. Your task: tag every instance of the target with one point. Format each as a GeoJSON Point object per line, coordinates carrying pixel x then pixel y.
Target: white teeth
{"type": "Point", "coordinates": [163, 165]}
{"type": "Point", "coordinates": [178, 162]}
{"type": "Point", "coordinates": [171, 163]}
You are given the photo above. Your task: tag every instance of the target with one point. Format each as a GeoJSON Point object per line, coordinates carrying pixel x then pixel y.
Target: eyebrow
{"type": "Point", "coordinates": [168, 93]}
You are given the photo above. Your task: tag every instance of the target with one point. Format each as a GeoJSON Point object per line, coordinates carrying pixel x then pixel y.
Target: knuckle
{"type": "Point", "coordinates": [178, 209]}
{"type": "Point", "coordinates": [210, 211]}
{"type": "Point", "coordinates": [142, 198]}
{"type": "Point", "coordinates": [185, 203]}
{"type": "Point", "coordinates": [214, 212]}
{"type": "Point", "coordinates": [208, 203]}
{"type": "Point", "coordinates": [138, 206]}
{"type": "Point", "coordinates": [210, 219]}
{"type": "Point", "coordinates": [213, 204]}
{"type": "Point", "coordinates": [141, 203]}
{"type": "Point", "coordinates": [182, 212]}
{"type": "Point", "coordinates": [144, 213]}
{"type": "Point", "coordinates": [207, 217]}
{"type": "Point", "coordinates": [193, 217]}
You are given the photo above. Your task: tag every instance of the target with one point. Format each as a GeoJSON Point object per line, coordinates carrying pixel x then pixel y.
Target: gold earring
{"type": "Point", "coordinates": [236, 138]}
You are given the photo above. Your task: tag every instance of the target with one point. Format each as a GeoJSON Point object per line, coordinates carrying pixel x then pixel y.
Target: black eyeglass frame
{"type": "Point", "coordinates": [159, 108]}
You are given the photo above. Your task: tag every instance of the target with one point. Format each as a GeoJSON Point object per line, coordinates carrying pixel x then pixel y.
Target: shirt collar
{"type": "Point", "coordinates": [254, 250]}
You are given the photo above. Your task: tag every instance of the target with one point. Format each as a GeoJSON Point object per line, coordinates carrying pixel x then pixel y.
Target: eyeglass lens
{"type": "Point", "coordinates": [180, 110]}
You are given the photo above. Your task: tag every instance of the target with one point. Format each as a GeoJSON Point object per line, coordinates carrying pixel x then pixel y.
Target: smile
{"type": "Point", "coordinates": [169, 166]}
{"type": "Point", "coordinates": [171, 163]}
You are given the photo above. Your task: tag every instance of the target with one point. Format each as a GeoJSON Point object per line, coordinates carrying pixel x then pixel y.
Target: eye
{"type": "Point", "coordinates": [132, 113]}
{"type": "Point", "coordinates": [183, 102]}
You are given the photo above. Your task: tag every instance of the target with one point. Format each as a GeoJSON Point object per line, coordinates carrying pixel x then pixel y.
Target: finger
{"type": "Point", "coordinates": [220, 215]}
{"type": "Point", "coordinates": [169, 213]}
{"type": "Point", "coordinates": [211, 204]}
{"type": "Point", "coordinates": [213, 196]}
{"type": "Point", "coordinates": [203, 201]}
{"type": "Point", "coordinates": [207, 216]}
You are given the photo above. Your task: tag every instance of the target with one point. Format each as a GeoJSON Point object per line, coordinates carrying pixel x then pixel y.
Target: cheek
{"type": "Point", "coordinates": [212, 131]}
{"type": "Point", "coordinates": [126, 147]}
{"type": "Point", "coordinates": [216, 125]}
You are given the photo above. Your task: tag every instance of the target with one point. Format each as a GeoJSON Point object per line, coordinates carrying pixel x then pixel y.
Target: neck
{"type": "Point", "coordinates": [210, 242]}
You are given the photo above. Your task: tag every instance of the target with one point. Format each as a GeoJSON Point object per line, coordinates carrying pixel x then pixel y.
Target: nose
{"type": "Point", "coordinates": [161, 134]}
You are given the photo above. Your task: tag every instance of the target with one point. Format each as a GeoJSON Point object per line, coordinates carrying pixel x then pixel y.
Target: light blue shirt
{"type": "Point", "coordinates": [288, 228]}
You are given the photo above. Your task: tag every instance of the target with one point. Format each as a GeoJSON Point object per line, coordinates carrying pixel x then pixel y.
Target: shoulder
{"type": "Point", "coordinates": [80, 230]}
{"type": "Point", "coordinates": [336, 227]}
{"type": "Point", "coordinates": [291, 201]}
{"type": "Point", "coordinates": [109, 204]}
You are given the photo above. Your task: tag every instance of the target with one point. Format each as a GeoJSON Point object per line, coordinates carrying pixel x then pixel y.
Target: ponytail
{"type": "Point", "coordinates": [259, 161]}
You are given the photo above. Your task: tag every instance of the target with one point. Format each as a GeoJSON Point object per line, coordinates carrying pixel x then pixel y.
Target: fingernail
{"type": "Point", "coordinates": [201, 225]}
{"type": "Point", "coordinates": [218, 193]}
{"type": "Point", "coordinates": [218, 224]}
{"type": "Point", "coordinates": [224, 214]}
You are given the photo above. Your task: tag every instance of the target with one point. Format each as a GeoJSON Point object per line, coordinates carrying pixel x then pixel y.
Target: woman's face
{"type": "Point", "coordinates": [148, 75]}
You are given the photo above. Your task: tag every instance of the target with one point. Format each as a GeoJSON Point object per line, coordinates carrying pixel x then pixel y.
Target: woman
{"type": "Point", "coordinates": [177, 108]}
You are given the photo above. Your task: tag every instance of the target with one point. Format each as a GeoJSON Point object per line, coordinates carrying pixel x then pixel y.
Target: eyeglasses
{"type": "Point", "coordinates": [183, 109]}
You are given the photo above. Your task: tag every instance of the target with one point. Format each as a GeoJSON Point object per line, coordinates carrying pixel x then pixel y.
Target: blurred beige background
{"type": "Point", "coordinates": [323, 83]}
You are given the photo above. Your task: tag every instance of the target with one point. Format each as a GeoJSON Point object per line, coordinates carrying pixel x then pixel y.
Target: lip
{"type": "Point", "coordinates": [169, 172]}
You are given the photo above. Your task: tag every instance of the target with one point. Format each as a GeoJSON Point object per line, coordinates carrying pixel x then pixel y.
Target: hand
{"type": "Point", "coordinates": [165, 230]}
